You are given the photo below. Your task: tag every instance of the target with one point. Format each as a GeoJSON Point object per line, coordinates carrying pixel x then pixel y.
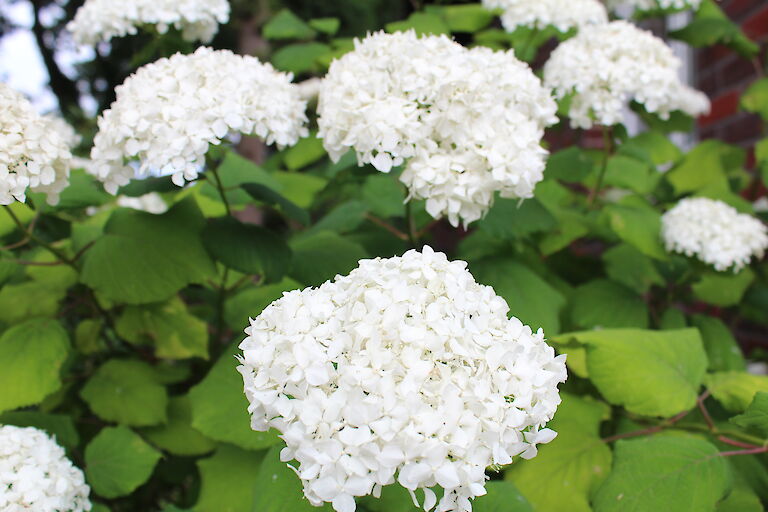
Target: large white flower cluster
{"type": "Point", "coordinates": [605, 66]}
{"type": "Point", "coordinates": [468, 122]}
{"type": "Point", "coordinates": [405, 370]}
{"type": "Point", "coordinates": [714, 232]}
{"type": "Point", "coordinates": [561, 14]}
{"type": "Point", "coordinates": [35, 474]}
{"type": "Point", "coordinates": [646, 5]}
{"type": "Point", "coordinates": [168, 113]}
{"type": "Point", "coordinates": [101, 20]}
{"type": "Point", "coordinates": [35, 150]}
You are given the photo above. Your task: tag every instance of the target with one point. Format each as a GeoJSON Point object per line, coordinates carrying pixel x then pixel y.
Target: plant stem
{"type": "Point", "coordinates": [220, 305]}
{"type": "Point", "coordinates": [220, 187]}
{"type": "Point", "coordinates": [56, 252]}
{"type": "Point", "coordinates": [528, 42]}
{"type": "Point", "coordinates": [389, 227]}
{"type": "Point", "coordinates": [751, 451]}
{"type": "Point", "coordinates": [607, 152]}
{"type": "Point", "coordinates": [650, 430]}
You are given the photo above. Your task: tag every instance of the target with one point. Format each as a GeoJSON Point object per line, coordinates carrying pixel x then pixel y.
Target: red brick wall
{"type": "Point", "coordinates": [723, 76]}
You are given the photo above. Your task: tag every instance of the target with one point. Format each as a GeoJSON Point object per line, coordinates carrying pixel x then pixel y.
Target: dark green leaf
{"type": "Point", "coordinates": [572, 164]}
{"type": "Point", "coordinates": [178, 436]}
{"type": "Point", "coordinates": [228, 480]}
{"type": "Point", "coordinates": [286, 25]}
{"type": "Point", "coordinates": [722, 348]}
{"type": "Point", "coordinates": [384, 196]}
{"type": "Point", "coordinates": [267, 195]}
{"type": "Point", "coordinates": [325, 25]}
{"type": "Point", "coordinates": [61, 426]}
{"type": "Point", "coordinates": [422, 23]}
{"type": "Point", "coordinates": [322, 256]}
{"type": "Point", "coordinates": [300, 58]}
{"type": "Point", "coordinates": [250, 302]}
{"type": "Point", "coordinates": [756, 416]}
{"type": "Point", "coordinates": [723, 288]}
{"type": "Point", "coordinates": [628, 266]}
{"type": "Point", "coordinates": [510, 218]}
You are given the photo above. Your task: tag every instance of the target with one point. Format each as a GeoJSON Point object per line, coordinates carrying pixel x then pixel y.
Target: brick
{"type": "Point", "coordinates": [736, 9]}
{"type": "Point", "coordinates": [736, 72]}
{"type": "Point", "coordinates": [756, 25]}
{"type": "Point", "coordinates": [723, 106]}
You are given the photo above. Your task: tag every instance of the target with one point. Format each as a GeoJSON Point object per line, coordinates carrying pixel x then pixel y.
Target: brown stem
{"type": "Point", "coordinates": [751, 451]}
{"type": "Point", "coordinates": [733, 442]}
{"type": "Point", "coordinates": [383, 224]}
{"type": "Point", "coordinates": [650, 430]}
{"type": "Point", "coordinates": [59, 254]}
{"type": "Point", "coordinates": [607, 152]}
{"type": "Point", "coordinates": [704, 411]}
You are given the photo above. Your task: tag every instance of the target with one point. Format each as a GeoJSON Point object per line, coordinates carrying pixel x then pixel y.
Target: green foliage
{"type": "Point", "coordinates": [281, 489]}
{"type": "Point", "coordinates": [228, 479]}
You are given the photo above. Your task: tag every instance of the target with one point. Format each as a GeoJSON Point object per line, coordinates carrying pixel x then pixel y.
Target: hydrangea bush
{"type": "Point", "coordinates": [421, 265]}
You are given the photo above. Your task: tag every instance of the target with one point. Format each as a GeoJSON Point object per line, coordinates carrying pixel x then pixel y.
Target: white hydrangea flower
{"type": "Point", "coordinates": [405, 370]}
{"type": "Point", "coordinates": [646, 5]}
{"type": "Point", "coordinates": [467, 122]}
{"type": "Point", "coordinates": [101, 20]}
{"type": "Point", "coordinates": [168, 113]}
{"type": "Point", "coordinates": [561, 14]}
{"type": "Point", "coordinates": [714, 232]}
{"type": "Point", "coordinates": [35, 474]}
{"type": "Point", "coordinates": [605, 66]}
{"type": "Point", "coordinates": [35, 150]}
{"type": "Point", "coordinates": [150, 203]}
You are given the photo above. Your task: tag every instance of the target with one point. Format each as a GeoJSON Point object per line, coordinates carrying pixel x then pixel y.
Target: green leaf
{"type": "Point", "coordinates": [677, 473]}
{"type": "Point", "coordinates": [572, 164]}
{"type": "Point", "coordinates": [56, 277]}
{"type": "Point", "coordinates": [531, 299]}
{"type": "Point", "coordinates": [704, 166]}
{"type": "Point", "coordinates": [723, 288]}
{"type": "Point", "coordinates": [23, 212]}
{"type": "Point", "coordinates": [510, 218]}
{"type": "Point", "coordinates": [61, 426]}
{"type": "Point", "coordinates": [178, 436]}
{"type": "Point", "coordinates": [247, 248]}
{"type": "Point", "coordinates": [228, 479]}
{"type": "Point", "coordinates": [168, 327]}
{"type": "Point", "coordinates": [144, 258]}
{"type": "Point", "coordinates": [631, 173]}
{"type": "Point", "coordinates": [466, 18]}
{"type": "Point", "coordinates": [604, 304]}
{"type": "Point", "coordinates": [31, 357]}
{"type": "Point", "coordinates": [82, 191]}
{"type": "Point", "coordinates": [501, 497]}
{"type": "Point", "coordinates": [307, 151]}
{"type": "Point", "coordinates": [266, 195]}
{"type": "Point", "coordinates": [323, 255]}
{"type": "Point", "coordinates": [325, 25]}
{"type": "Point", "coordinates": [710, 26]}
{"type": "Point", "coordinates": [281, 489]}
{"type": "Point", "coordinates": [638, 226]}
{"type": "Point", "coordinates": [722, 348]}
{"type": "Point", "coordinates": [300, 58]}
{"type": "Point", "coordinates": [286, 25]}
{"type": "Point", "coordinates": [250, 302]}
{"type": "Point", "coordinates": [735, 390]}
{"type": "Point", "coordinates": [423, 23]}
{"type": "Point", "coordinates": [651, 373]}
{"type": "Point", "coordinates": [673, 318]}
{"type": "Point", "coordinates": [569, 469]}
{"type": "Point", "coordinates": [236, 170]}
{"type": "Point", "coordinates": [344, 218]}
{"type": "Point", "coordinates": [88, 336]}
{"type": "Point", "coordinates": [117, 461]}
{"type": "Point", "coordinates": [384, 196]}
{"type": "Point", "coordinates": [755, 417]}
{"type": "Point", "coordinates": [741, 499]}
{"type": "Point", "coordinates": [658, 148]}
{"type": "Point", "coordinates": [127, 392]}
{"type": "Point", "coordinates": [628, 266]}
{"type": "Point", "coordinates": [19, 302]}
{"type": "Point", "coordinates": [299, 188]}
{"type": "Point", "coordinates": [220, 409]}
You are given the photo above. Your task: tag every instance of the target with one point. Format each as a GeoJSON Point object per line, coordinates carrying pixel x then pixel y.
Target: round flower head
{"type": "Point", "coordinates": [35, 150]}
{"type": "Point", "coordinates": [101, 20]}
{"type": "Point", "coordinates": [647, 5]}
{"type": "Point", "coordinates": [561, 14]}
{"type": "Point", "coordinates": [168, 113]}
{"type": "Point", "coordinates": [714, 232]}
{"type": "Point", "coordinates": [466, 122]}
{"type": "Point", "coordinates": [405, 370]}
{"type": "Point", "coordinates": [35, 474]}
{"type": "Point", "coordinates": [605, 66]}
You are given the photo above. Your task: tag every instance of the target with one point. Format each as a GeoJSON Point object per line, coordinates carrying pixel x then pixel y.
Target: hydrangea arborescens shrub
{"type": "Point", "coordinates": [36, 475]}
{"type": "Point", "coordinates": [467, 123]}
{"type": "Point", "coordinates": [405, 371]}
{"type": "Point", "coordinates": [169, 112]}
{"type": "Point", "coordinates": [101, 20]}
{"type": "Point", "coordinates": [561, 14]}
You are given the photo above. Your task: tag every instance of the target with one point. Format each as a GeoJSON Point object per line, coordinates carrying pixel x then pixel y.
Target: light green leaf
{"type": "Point", "coordinates": [321, 256]}
{"type": "Point", "coordinates": [228, 480]}
{"type": "Point", "coordinates": [31, 357]}
{"type": "Point", "coordinates": [178, 436]}
{"type": "Point", "coordinates": [569, 469]}
{"type": "Point", "coordinates": [250, 302]}
{"type": "Point", "coordinates": [236, 170]}
{"type": "Point", "coordinates": [501, 497]}
{"type": "Point", "coordinates": [307, 151]}
{"type": "Point", "coordinates": [422, 23]}
{"type": "Point", "coordinates": [741, 499]}
{"type": "Point", "coordinates": [723, 288]}
{"type": "Point", "coordinates": [286, 25]}
{"type": "Point", "coordinates": [755, 98]}
{"type": "Point", "coordinates": [168, 327]}
{"type": "Point", "coordinates": [722, 348]}
{"type": "Point", "coordinates": [61, 426]}
{"type": "Point", "coordinates": [144, 258]}
{"type": "Point", "coordinates": [281, 489]}
{"type": "Point", "coordinates": [604, 304]}
{"type": "Point", "coordinates": [31, 299]}
{"type": "Point", "coordinates": [651, 373]}
{"type": "Point", "coordinates": [756, 415]}
{"type": "Point", "coordinates": [655, 145]}
{"type": "Point", "coordinates": [325, 25]}
{"type": "Point", "coordinates": [127, 392]}
{"type": "Point", "coordinates": [58, 277]}
{"type": "Point", "coordinates": [638, 226]}
{"type": "Point", "coordinates": [300, 58]}
{"type": "Point", "coordinates": [117, 461]}
{"type": "Point", "coordinates": [628, 266]}
{"type": "Point", "coordinates": [344, 218]}
{"type": "Point", "coordinates": [23, 212]}
{"type": "Point", "coordinates": [299, 188]}
{"type": "Point", "coordinates": [247, 248]}
{"type": "Point", "coordinates": [384, 196]}
{"type": "Point", "coordinates": [267, 195]}
{"type": "Point", "coordinates": [735, 390]}
{"type": "Point", "coordinates": [630, 173]}
{"type": "Point", "coordinates": [531, 299]}
{"type": "Point", "coordinates": [83, 190]}
{"type": "Point", "coordinates": [677, 473]}
{"type": "Point", "coordinates": [220, 409]}
{"type": "Point", "coordinates": [704, 166]}
{"type": "Point", "coordinates": [88, 336]}
{"type": "Point", "coordinates": [466, 18]}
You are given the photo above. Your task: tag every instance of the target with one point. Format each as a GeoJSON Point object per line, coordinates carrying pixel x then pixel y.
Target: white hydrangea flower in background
{"type": "Point", "coordinates": [101, 20]}
{"type": "Point", "coordinates": [405, 370]}
{"type": "Point", "coordinates": [466, 122]}
{"type": "Point", "coordinates": [168, 113]}
{"type": "Point", "coordinates": [150, 203]}
{"type": "Point", "coordinates": [561, 14]}
{"type": "Point", "coordinates": [605, 66]}
{"type": "Point", "coordinates": [714, 232]}
{"type": "Point", "coordinates": [646, 5]}
{"type": "Point", "coordinates": [35, 474]}
{"type": "Point", "coordinates": [35, 150]}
